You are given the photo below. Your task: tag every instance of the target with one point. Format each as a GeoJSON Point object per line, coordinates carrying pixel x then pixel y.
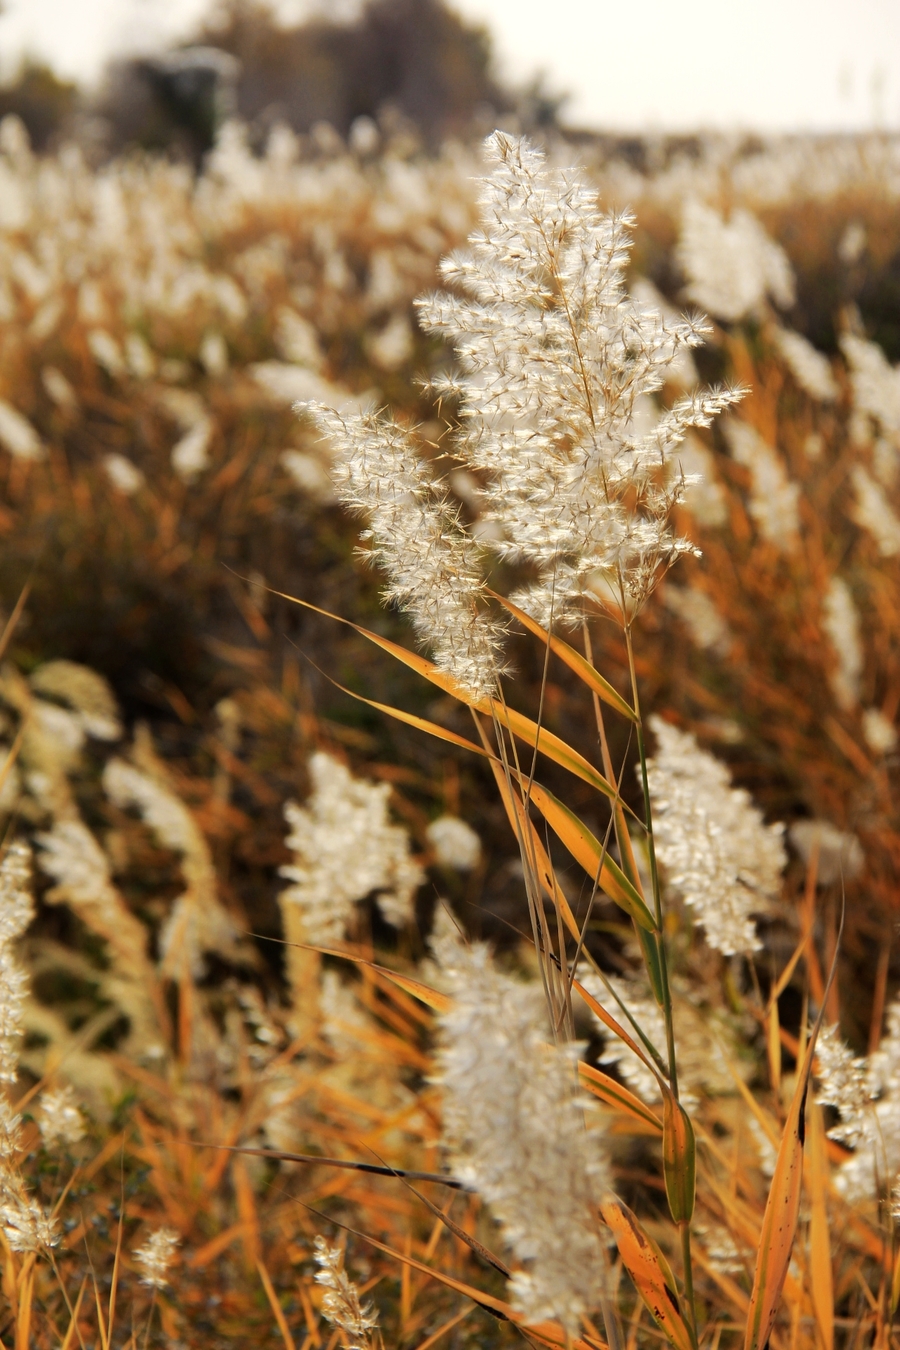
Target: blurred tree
{"type": "Point", "coordinates": [417, 58]}
{"type": "Point", "coordinates": [44, 102]}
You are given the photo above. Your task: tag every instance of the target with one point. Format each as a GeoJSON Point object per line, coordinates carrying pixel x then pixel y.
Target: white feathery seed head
{"type": "Point", "coordinates": [809, 367]}
{"type": "Point", "coordinates": [455, 843]}
{"type": "Point", "coordinates": [414, 533]}
{"type": "Point", "coordinates": [773, 497]}
{"type": "Point", "coordinates": [866, 1093]}
{"type": "Point", "coordinates": [59, 1119]}
{"type": "Point", "coordinates": [16, 912]}
{"type": "Point", "coordinates": [515, 1131]}
{"type": "Point", "coordinates": [732, 266]}
{"type": "Point", "coordinates": [876, 384]}
{"type": "Point", "coordinates": [843, 1084]}
{"type": "Point", "coordinates": [879, 732]}
{"type": "Point", "coordinates": [555, 358]}
{"type": "Point", "coordinates": [873, 512]}
{"type": "Point", "coordinates": [155, 1257]}
{"type": "Point", "coordinates": [841, 623]}
{"type": "Point", "coordinates": [345, 847]}
{"type": "Point", "coordinates": [838, 853]}
{"type": "Point", "coordinates": [712, 841]}
{"type": "Point", "coordinates": [342, 1304]}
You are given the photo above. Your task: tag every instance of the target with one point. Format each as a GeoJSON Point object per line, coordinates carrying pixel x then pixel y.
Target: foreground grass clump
{"type": "Point", "coordinates": [621, 1077]}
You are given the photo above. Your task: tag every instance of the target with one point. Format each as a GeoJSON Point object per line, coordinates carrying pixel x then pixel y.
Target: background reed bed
{"type": "Point", "coordinates": [194, 788]}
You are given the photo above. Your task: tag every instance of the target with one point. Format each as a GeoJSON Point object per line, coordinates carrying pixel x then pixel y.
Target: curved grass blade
{"type": "Point", "coordinates": [373, 1169]}
{"type": "Point", "coordinates": [586, 849]}
{"type": "Point", "coordinates": [573, 659]}
{"type": "Point", "coordinates": [521, 822]}
{"type": "Point", "coordinates": [420, 723]}
{"type": "Point", "coordinates": [820, 1271]}
{"type": "Point", "coordinates": [779, 1226]}
{"type": "Point", "coordinates": [420, 664]}
{"type": "Point", "coordinates": [649, 1271]}
{"type": "Point", "coordinates": [679, 1158]}
{"type": "Point", "coordinates": [550, 745]}
{"type": "Point", "coordinates": [553, 747]}
{"type": "Point", "coordinates": [618, 1030]}
{"type": "Point", "coordinates": [432, 998]}
{"type": "Point", "coordinates": [617, 1096]}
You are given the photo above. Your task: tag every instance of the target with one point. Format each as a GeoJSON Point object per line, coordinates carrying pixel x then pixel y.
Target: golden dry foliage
{"type": "Point", "coordinates": [156, 330]}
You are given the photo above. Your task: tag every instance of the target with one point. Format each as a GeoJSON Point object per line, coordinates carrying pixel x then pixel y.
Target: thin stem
{"type": "Point", "coordinates": [654, 871]}
{"type": "Point", "coordinates": [689, 1280]}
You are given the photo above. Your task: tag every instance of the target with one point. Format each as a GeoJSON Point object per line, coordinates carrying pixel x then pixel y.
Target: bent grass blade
{"type": "Point", "coordinates": [573, 659]}
{"type": "Point", "coordinates": [586, 849]}
{"type": "Point", "coordinates": [614, 1095]}
{"type": "Point", "coordinates": [650, 1272]}
{"type": "Point", "coordinates": [545, 741]}
{"type": "Point", "coordinates": [779, 1226]}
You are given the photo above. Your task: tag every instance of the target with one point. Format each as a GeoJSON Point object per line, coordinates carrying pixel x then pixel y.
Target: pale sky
{"type": "Point", "coordinates": [629, 64]}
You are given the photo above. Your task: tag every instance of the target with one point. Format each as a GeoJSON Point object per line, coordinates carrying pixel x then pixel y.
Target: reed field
{"type": "Point", "coordinates": [449, 697]}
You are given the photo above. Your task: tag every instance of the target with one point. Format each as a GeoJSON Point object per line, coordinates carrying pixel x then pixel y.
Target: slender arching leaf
{"type": "Point", "coordinates": [617, 1096]}
{"type": "Point", "coordinates": [779, 1226]}
{"type": "Point", "coordinates": [553, 747]}
{"type": "Point", "coordinates": [651, 1274]}
{"type": "Point", "coordinates": [573, 659]}
{"type": "Point", "coordinates": [586, 849]}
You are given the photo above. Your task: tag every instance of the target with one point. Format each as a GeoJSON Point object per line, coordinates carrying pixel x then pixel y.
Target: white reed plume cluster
{"type": "Point", "coordinates": [433, 564]}
{"type": "Point", "coordinates": [342, 1304]}
{"type": "Point", "coordinates": [707, 628]}
{"type": "Point", "coordinates": [514, 1127]}
{"type": "Point", "coordinates": [773, 497]}
{"type": "Point", "coordinates": [16, 913]}
{"type": "Point", "coordinates": [554, 356]}
{"type": "Point", "coordinates": [704, 1038]}
{"type": "Point", "coordinates": [554, 359]}
{"type": "Point", "coordinates": [345, 848]}
{"type": "Point", "coordinates": [873, 512]}
{"type": "Point", "coordinates": [60, 1120]}
{"type": "Point", "coordinates": [703, 496]}
{"type": "Point", "coordinates": [455, 843]}
{"type": "Point", "coordinates": [25, 1225]}
{"type": "Point", "coordinates": [840, 621]}
{"type": "Point", "coordinates": [866, 1093]}
{"type": "Point", "coordinates": [712, 841]}
{"type": "Point", "coordinates": [809, 367]}
{"type": "Point", "coordinates": [198, 922]}
{"type": "Point", "coordinates": [843, 1084]}
{"type": "Point", "coordinates": [155, 1257]}
{"type": "Point", "coordinates": [876, 387]}
{"type": "Point", "coordinates": [732, 266]}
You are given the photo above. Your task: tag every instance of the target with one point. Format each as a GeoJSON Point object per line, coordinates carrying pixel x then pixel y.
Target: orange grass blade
{"type": "Point", "coordinates": [420, 664]}
{"type": "Point", "coordinates": [442, 1331]}
{"type": "Point", "coordinates": [553, 747]}
{"type": "Point", "coordinates": [522, 824]}
{"type": "Point", "coordinates": [420, 723]}
{"type": "Point", "coordinates": [277, 1310]}
{"type": "Point", "coordinates": [73, 1319]}
{"type": "Point", "coordinates": [573, 659]}
{"type": "Point", "coordinates": [548, 1332]}
{"type": "Point", "coordinates": [652, 1279]}
{"type": "Point", "coordinates": [617, 1096]}
{"type": "Point", "coordinates": [12, 622]}
{"type": "Point", "coordinates": [608, 1020]}
{"type": "Point", "coordinates": [779, 1226]}
{"type": "Point", "coordinates": [820, 1271]}
{"type": "Point", "coordinates": [430, 997]}
{"type": "Point", "coordinates": [586, 849]}
{"type": "Point", "coordinates": [679, 1158]}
